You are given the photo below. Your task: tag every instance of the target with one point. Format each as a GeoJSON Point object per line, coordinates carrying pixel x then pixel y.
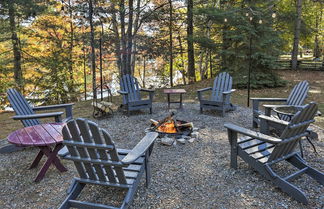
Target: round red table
{"type": "Point", "coordinates": [43, 136]}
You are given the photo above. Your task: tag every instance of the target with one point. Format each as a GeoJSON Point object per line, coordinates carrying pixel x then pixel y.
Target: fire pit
{"type": "Point", "coordinates": [171, 127]}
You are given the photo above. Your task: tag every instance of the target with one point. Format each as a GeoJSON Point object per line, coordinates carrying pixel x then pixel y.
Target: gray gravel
{"type": "Point", "coordinates": [193, 175]}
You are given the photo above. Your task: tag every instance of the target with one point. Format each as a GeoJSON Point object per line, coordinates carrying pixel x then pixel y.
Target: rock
{"type": "Point", "coordinates": [185, 137]}
{"type": "Point", "coordinates": [195, 134]}
{"type": "Point", "coordinates": [195, 129]}
{"type": "Point", "coordinates": [191, 140]}
{"type": "Point", "coordinates": [167, 141]}
{"type": "Point", "coordinates": [181, 140]}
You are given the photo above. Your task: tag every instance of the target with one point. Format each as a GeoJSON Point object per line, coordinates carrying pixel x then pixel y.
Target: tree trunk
{"type": "Point", "coordinates": [133, 57]}
{"type": "Point", "coordinates": [144, 70]}
{"type": "Point", "coordinates": [15, 47]}
{"type": "Point", "coordinates": [117, 41]}
{"type": "Point", "coordinates": [71, 43]}
{"type": "Point", "coordinates": [93, 55]}
{"type": "Point", "coordinates": [171, 44]}
{"type": "Point", "coordinates": [129, 37]}
{"type": "Point", "coordinates": [191, 55]}
{"type": "Point", "coordinates": [123, 53]}
{"type": "Point", "coordinates": [210, 64]}
{"type": "Point", "coordinates": [135, 26]}
{"type": "Point", "coordinates": [100, 59]}
{"type": "Point", "coordinates": [200, 65]}
{"type": "Point", "coordinates": [296, 35]}
{"type": "Point", "coordinates": [206, 64]}
{"type": "Point", "coordinates": [183, 72]}
{"type": "Point", "coordinates": [318, 20]}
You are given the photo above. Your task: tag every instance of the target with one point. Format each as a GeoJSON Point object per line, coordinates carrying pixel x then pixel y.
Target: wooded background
{"type": "Point", "coordinates": [61, 48]}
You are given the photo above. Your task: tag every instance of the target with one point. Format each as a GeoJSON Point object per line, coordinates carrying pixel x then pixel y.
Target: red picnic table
{"type": "Point", "coordinates": [42, 136]}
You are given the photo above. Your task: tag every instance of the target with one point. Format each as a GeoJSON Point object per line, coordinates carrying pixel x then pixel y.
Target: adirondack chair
{"type": "Point", "coordinates": [131, 94]}
{"type": "Point", "coordinates": [99, 162]}
{"type": "Point", "coordinates": [296, 97]}
{"type": "Point", "coordinates": [26, 114]}
{"type": "Point", "coordinates": [220, 94]}
{"type": "Point", "coordinates": [263, 151]}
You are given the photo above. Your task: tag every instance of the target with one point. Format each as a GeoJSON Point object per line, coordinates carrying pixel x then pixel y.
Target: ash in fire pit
{"type": "Point", "coordinates": [170, 128]}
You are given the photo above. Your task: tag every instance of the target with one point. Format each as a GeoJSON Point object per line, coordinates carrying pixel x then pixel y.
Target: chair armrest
{"type": "Point", "coordinates": [49, 107]}
{"type": "Point", "coordinates": [205, 89]}
{"type": "Point", "coordinates": [147, 90]}
{"type": "Point", "coordinates": [230, 91]}
{"type": "Point", "coordinates": [273, 120]}
{"type": "Point", "coordinates": [35, 116]}
{"type": "Point", "coordinates": [269, 99]}
{"type": "Point", "coordinates": [122, 92]}
{"type": "Point", "coordinates": [253, 134]}
{"type": "Point", "coordinates": [140, 148]}
{"type": "Point", "coordinates": [273, 106]}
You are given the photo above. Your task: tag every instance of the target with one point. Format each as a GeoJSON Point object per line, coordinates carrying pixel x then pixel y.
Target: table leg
{"type": "Point", "coordinates": [56, 160]}
{"type": "Point", "coordinates": [37, 159]}
{"type": "Point", "coordinates": [180, 101]}
{"type": "Point", "coordinates": [52, 158]}
{"type": "Point", "coordinates": [168, 101]}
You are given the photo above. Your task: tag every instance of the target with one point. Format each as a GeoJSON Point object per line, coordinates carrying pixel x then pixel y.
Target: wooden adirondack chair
{"type": "Point", "coordinates": [220, 94]}
{"type": "Point", "coordinates": [262, 151]}
{"type": "Point", "coordinates": [131, 94]}
{"type": "Point", "coordinates": [296, 97]}
{"type": "Point", "coordinates": [26, 114]}
{"type": "Point", "coordinates": [99, 162]}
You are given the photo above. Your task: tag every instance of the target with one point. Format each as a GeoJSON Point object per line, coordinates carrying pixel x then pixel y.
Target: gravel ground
{"type": "Point", "coordinates": [193, 175]}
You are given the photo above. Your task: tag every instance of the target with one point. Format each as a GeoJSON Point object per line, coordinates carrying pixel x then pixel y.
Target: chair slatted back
{"type": "Point", "coordinates": [88, 145]}
{"type": "Point", "coordinates": [21, 107]}
{"type": "Point", "coordinates": [296, 97]}
{"type": "Point", "coordinates": [298, 94]}
{"type": "Point", "coordinates": [129, 84]}
{"type": "Point", "coordinates": [297, 127]}
{"type": "Point", "coordinates": [223, 82]}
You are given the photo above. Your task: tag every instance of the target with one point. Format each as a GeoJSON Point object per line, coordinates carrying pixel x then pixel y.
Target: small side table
{"type": "Point", "coordinates": [174, 91]}
{"type": "Point", "coordinates": [42, 136]}
{"type": "Point", "coordinates": [289, 111]}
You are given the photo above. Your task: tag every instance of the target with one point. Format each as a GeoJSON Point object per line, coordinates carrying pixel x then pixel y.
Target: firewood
{"type": "Point", "coordinates": [164, 120]}
{"type": "Point", "coordinates": [185, 125]}
{"type": "Point", "coordinates": [154, 122]}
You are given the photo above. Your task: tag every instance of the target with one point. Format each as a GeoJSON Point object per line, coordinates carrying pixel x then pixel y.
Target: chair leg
{"type": "Point", "coordinates": [130, 195]}
{"type": "Point", "coordinates": [201, 110]}
{"type": "Point", "coordinates": [147, 169]}
{"type": "Point", "coordinates": [291, 190]}
{"type": "Point", "coordinates": [301, 149]}
{"type": "Point", "coordinates": [75, 190]}
{"type": "Point", "coordinates": [300, 163]}
{"type": "Point", "coordinates": [151, 110]}
{"type": "Point", "coordinates": [232, 136]}
{"type": "Point", "coordinates": [254, 124]}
